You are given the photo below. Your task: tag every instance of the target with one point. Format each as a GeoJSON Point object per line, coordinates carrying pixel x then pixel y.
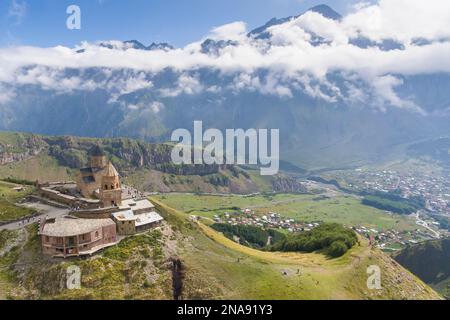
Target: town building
{"type": "Point", "coordinates": [72, 237]}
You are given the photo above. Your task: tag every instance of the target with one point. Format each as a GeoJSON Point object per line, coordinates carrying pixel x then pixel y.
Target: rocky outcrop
{"type": "Point", "coordinates": [19, 147]}
{"type": "Point", "coordinates": [286, 184]}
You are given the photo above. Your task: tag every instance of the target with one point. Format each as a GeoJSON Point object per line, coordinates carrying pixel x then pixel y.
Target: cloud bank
{"type": "Point", "coordinates": [299, 54]}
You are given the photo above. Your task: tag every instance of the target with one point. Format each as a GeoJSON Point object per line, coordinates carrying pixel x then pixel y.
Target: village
{"type": "Point", "coordinates": [270, 221]}
{"type": "Point", "coordinates": [386, 240]}
{"type": "Point", "coordinates": [434, 188]}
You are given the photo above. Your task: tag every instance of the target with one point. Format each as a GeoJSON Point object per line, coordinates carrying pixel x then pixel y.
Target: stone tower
{"type": "Point", "coordinates": [111, 190]}
{"type": "Point", "coordinates": [97, 157]}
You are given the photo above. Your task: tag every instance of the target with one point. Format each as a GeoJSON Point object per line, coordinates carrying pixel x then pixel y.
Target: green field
{"type": "Point", "coordinates": [208, 205]}
{"type": "Point", "coordinates": [8, 197]}
{"type": "Point", "coordinates": [307, 208]}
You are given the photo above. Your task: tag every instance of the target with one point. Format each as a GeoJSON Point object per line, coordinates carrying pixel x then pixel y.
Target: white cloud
{"type": "Point", "coordinates": [155, 106]}
{"type": "Point", "coordinates": [186, 84]}
{"type": "Point", "coordinates": [290, 63]}
{"type": "Point", "coordinates": [385, 86]}
{"type": "Point", "coordinates": [17, 10]}
{"type": "Point", "coordinates": [403, 20]}
{"type": "Point", "coordinates": [6, 94]}
{"type": "Point", "coordinates": [232, 31]}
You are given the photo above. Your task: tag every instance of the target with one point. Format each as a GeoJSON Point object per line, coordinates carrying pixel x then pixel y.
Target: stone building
{"type": "Point", "coordinates": [71, 237]}
{"type": "Point", "coordinates": [111, 190]}
{"type": "Point", "coordinates": [136, 215]}
{"type": "Point", "coordinates": [100, 180]}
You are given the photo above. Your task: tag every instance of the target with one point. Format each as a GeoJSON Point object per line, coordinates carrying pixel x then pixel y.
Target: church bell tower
{"type": "Point", "coordinates": [111, 189]}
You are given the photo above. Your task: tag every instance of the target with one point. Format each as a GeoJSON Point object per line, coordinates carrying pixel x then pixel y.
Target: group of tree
{"type": "Point", "coordinates": [330, 238]}
{"type": "Point", "coordinates": [393, 202]}
{"type": "Point", "coordinates": [250, 236]}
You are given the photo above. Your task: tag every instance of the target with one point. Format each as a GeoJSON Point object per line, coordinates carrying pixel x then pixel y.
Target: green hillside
{"type": "Point", "coordinates": [9, 210]}
{"type": "Point", "coordinates": [214, 267]}
{"type": "Point", "coordinates": [143, 165]}
{"type": "Point", "coordinates": [430, 261]}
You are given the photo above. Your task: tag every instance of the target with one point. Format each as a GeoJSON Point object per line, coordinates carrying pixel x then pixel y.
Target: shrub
{"type": "Point", "coordinates": [337, 249]}
{"type": "Point", "coordinates": [250, 235]}
{"type": "Point", "coordinates": [334, 239]}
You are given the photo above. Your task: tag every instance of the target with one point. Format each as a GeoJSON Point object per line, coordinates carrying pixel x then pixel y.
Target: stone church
{"type": "Point", "coordinates": [100, 180]}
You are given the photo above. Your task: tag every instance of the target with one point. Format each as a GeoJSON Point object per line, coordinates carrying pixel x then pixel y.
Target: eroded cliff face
{"type": "Point", "coordinates": [19, 147]}
{"type": "Point", "coordinates": [283, 183]}
{"type": "Point", "coordinates": [150, 162]}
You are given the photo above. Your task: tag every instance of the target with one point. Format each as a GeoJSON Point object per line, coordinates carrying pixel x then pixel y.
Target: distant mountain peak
{"type": "Point", "coordinates": [160, 46]}
{"type": "Point", "coordinates": [135, 44]}
{"type": "Point", "coordinates": [322, 9]}
{"type": "Point", "coordinates": [326, 11]}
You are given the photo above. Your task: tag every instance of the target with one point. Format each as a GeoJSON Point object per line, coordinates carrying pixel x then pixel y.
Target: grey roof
{"type": "Point", "coordinates": [124, 215]}
{"type": "Point", "coordinates": [96, 151]}
{"type": "Point", "coordinates": [147, 218]}
{"type": "Point", "coordinates": [70, 226]}
{"type": "Point", "coordinates": [137, 205]}
{"type": "Point", "coordinates": [89, 179]}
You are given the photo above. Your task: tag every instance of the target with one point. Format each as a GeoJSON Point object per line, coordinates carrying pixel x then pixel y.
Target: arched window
{"type": "Point", "coordinates": [106, 187]}
{"type": "Point", "coordinates": [112, 186]}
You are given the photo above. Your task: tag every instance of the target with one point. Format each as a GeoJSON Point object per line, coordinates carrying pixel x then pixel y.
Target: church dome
{"type": "Point", "coordinates": [96, 151]}
{"type": "Point", "coordinates": [110, 171]}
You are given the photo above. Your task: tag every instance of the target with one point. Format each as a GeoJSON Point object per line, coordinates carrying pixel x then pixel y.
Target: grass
{"type": "Point", "coordinates": [215, 267]}
{"type": "Point", "coordinates": [132, 270]}
{"type": "Point", "coordinates": [307, 208]}
{"type": "Point", "coordinates": [239, 272]}
{"type": "Point", "coordinates": [345, 210]}
{"type": "Point", "coordinates": [42, 168]}
{"type": "Point", "coordinates": [209, 205]}
{"type": "Point", "coordinates": [9, 211]}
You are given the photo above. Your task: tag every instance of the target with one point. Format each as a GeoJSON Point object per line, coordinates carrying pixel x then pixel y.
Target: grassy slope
{"type": "Point", "coordinates": [137, 269]}
{"type": "Point", "coordinates": [8, 197]}
{"type": "Point", "coordinates": [266, 275]}
{"type": "Point", "coordinates": [41, 167]}
{"type": "Point", "coordinates": [156, 181]}
{"type": "Point", "coordinates": [132, 270]}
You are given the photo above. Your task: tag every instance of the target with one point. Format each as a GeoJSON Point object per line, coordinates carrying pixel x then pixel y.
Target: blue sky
{"type": "Point", "coordinates": [43, 22]}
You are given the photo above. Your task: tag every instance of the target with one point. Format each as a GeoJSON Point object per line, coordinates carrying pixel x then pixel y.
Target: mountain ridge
{"type": "Point", "coordinates": [322, 9]}
{"type": "Point", "coordinates": [336, 119]}
{"type": "Point", "coordinates": [146, 166]}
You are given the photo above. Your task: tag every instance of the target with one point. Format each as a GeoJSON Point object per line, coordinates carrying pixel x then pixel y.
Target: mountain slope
{"type": "Point", "coordinates": [213, 268]}
{"type": "Point", "coordinates": [430, 261]}
{"type": "Point", "coordinates": [146, 166]}
{"type": "Point", "coordinates": [340, 98]}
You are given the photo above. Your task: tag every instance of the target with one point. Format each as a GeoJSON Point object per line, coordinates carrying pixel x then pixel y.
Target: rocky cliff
{"type": "Point", "coordinates": [147, 166]}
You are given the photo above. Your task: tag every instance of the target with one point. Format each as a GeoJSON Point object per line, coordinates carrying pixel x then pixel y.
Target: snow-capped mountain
{"type": "Point", "coordinates": [343, 91]}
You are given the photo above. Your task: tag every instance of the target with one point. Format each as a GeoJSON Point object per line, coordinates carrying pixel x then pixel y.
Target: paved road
{"type": "Point", "coordinates": [46, 210]}
{"type": "Point", "coordinates": [424, 224]}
